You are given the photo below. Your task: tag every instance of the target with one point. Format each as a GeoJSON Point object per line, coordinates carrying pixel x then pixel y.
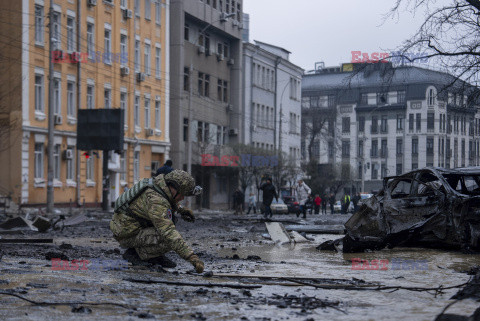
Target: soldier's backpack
{"type": "Point", "coordinates": [124, 200]}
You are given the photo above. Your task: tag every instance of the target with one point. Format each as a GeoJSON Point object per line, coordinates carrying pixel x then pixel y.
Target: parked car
{"type": "Point", "coordinates": [292, 204]}
{"type": "Point", "coordinates": [279, 207]}
{"type": "Point", "coordinates": [430, 206]}
{"type": "Point", "coordinates": [337, 207]}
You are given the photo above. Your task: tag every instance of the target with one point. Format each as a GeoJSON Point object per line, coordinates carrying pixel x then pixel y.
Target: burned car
{"type": "Point", "coordinates": [426, 207]}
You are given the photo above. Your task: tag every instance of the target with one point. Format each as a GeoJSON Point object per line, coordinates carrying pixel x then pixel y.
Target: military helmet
{"type": "Point", "coordinates": [183, 182]}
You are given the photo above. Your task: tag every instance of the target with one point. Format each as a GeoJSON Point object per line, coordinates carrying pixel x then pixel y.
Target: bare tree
{"type": "Point", "coordinates": [450, 35]}
{"type": "Point", "coordinates": [318, 124]}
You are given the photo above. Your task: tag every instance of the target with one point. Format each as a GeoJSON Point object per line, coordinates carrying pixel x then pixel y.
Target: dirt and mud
{"type": "Point", "coordinates": [82, 275]}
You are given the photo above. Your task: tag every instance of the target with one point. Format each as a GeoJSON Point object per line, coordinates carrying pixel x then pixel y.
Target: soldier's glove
{"type": "Point", "coordinates": [196, 262]}
{"type": "Point", "coordinates": [186, 214]}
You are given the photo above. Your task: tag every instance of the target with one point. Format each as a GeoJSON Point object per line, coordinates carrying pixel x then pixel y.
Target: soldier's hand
{"type": "Point", "coordinates": [186, 214]}
{"type": "Point", "coordinates": [196, 262]}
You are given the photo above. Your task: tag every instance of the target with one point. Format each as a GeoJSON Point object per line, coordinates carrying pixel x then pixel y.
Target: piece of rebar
{"type": "Point", "coordinates": [26, 240]}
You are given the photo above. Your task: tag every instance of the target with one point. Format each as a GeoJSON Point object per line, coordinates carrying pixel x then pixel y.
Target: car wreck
{"type": "Point", "coordinates": [433, 207]}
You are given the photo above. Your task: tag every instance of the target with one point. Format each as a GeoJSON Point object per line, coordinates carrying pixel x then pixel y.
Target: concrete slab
{"type": "Point", "coordinates": [277, 232]}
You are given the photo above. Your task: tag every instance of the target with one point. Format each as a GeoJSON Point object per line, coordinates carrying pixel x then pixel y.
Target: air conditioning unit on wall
{"type": "Point", "coordinates": [68, 154]}
{"type": "Point", "coordinates": [149, 132]}
{"type": "Point", "coordinates": [57, 119]}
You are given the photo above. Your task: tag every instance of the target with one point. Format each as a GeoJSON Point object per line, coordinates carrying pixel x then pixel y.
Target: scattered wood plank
{"type": "Point", "coordinates": [10, 240]}
{"type": "Point", "coordinates": [203, 284]}
{"type": "Point", "coordinates": [317, 229]}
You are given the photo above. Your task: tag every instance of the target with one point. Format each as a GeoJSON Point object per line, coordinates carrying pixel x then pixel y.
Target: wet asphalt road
{"type": "Point", "coordinates": [248, 277]}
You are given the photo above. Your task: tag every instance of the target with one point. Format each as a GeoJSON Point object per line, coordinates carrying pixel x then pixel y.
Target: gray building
{"type": "Point", "coordinates": [205, 90]}
{"type": "Point", "coordinates": [383, 121]}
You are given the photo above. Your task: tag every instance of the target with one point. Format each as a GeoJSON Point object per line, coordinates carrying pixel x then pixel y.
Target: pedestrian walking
{"type": "Point", "coordinates": [252, 203]}
{"type": "Point", "coordinates": [345, 203]}
{"type": "Point", "coordinates": [269, 192]}
{"type": "Point", "coordinates": [317, 201]}
{"type": "Point", "coordinates": [324, 205]}
{"type": "Point", "coordinates": [303, 192]}
{"type": "Point", "coordinates": [331, 200]}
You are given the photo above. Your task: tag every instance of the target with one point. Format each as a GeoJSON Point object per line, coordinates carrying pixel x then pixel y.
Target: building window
{"type": "Point", "coordinates": [71, 166]}
{"type": "Point", "coordinates": [39, 94]}
{"type": "Point", "coordinates": [374, 171]}
{"type": "Point", "coordinates": [157, 113]}
{"type": "Point", "coordinates": [123, 106]}
{"type": "Point", "coordinates": [158, 12]}
{"type": "Point", "coordinates": [70, 34]}
{"type": "Point", "coordinates": [90, 97]}
{"type": "Point", "coordinates": [56, 96]}
{"type": "Point", "coordinates": [158, 61]}
{"type": "Point", "coordinates": [411, 121]}
{"type": "Point", "coordinates": [345, 149]}
{"type": "Point", "coordinates": [136, 6]}
{"type": "Point", "coordinates": [399, 146]}
{"type": "Point", "coordinates": [123, 49]}
{"type": "Point", "coordinates": [374, 128]}
{"type": "Point", "coordinates": [123, 167]}
{"type": "Point", "coordinates": [222, 90]}
{"type": "Point", "coordinates": [71, 110]}
{"type": "Point", "coordinates": [429, 146]}
{"type": "Point", "coordinates": [186, 32]}
{"type": "Point", "coordinates": [39, 25]}
{"type": "Point", "coordinates": [203, 84]}
{"type": "Point", "coordinates": [185, 129]}
{"type": "Point", "coordinates": [90, 40]}
{"type": "Point", "coordinates": [186, 79]}
{"type": "Point", "coordinates": [136, 111]}
{"type": "Point", "coordinates": [108, 46]}
{"type": "Point", "coordinates": [381, 98]}
{"type": "Point", "coordinates": [147, 112]}
{"type": "Point", "coordinates": [364, 99]}
{"type": "Point", "coordinates": [147, 59]}
{"type": "Point", "coordinates": [399, 169]}
{"type": "Point", "coordinates": [136, 166]}
{"type": "Point", "coordinates": [56, 32]}
{"type": "Point", "coordinates": [414, 146]}
{"type": "Point", "coordinates": [148, 8]}
{"type": "Point", "coordinates": [56, 162]}
{"type": "Point", "coordinates": [374, 152]}
{"type": "Point", "coordinates": [384, 124]}
{"type": "Point", "coordinates": [401, 97]}
{"type": "Point", "coordinates": [361, 124]}
{"type": "Point", "coordinates": [383, 149]}
{"type": "Point", "coordinates": [38, 169]}
{"type": "Point", "coordinates": [419, 122]}
{"type": "Point", "coordinates": [430, 122]}
{"type": "Point", "coordinates": [90, 175]}
{"type": "Point", "coordinates": [108, 98]}
{"type": "Point", "coordinates": [346, 125]}
{"type": "Point", "coordinates": [137, 56]}
{"type": "Point", "coordinates": [400, 122]}
{"type": "Point", "coordinates": [431, 97]}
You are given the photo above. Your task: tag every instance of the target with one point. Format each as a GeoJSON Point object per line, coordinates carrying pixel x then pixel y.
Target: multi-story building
{"type": "Point", "coordinates": [205, 90]}
{"type": "Point", "coordinates": [108, 54]}
{"type": "Point", "coordinates": [383, 121]}
{"type": "Point", "coordinates": [272, 104]}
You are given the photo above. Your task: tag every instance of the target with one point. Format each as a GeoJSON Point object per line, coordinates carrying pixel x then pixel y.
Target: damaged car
{"type": "Point", "coordinates": [434, 207]}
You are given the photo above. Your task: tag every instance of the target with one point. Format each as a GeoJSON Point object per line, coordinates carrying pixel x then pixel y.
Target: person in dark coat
{"type": "Point", "coordinates": [165, 169]}
{"type": "Point", "coordinates": [269, 192]}
{"type": "Point", "coordinates": [324, 205]}
{"type": "Point", "coordinates": [331, 200]}
{"type": "Point", "coordinates": [355, 200]}
{"type": "Point", "coordinates": [238, 200]}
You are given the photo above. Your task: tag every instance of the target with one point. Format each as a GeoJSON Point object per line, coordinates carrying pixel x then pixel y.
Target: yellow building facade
{"type": "Point", "coordinates": [107, 54]}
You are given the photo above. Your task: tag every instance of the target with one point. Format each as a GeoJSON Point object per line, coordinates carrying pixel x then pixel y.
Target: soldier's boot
{"type": "Point", "coordinates": [163, 261]}
{"type": "Point", "coordinates": [132, 256]}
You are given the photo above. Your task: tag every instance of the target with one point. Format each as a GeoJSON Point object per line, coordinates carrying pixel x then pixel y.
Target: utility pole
{"type": "Point", "coordinates": [189, 133]}
{"type": "Point", "coordinates": [50, 115]}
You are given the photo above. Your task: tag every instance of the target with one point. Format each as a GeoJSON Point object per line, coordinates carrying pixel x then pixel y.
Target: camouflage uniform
{"type": "Point", "coordinates": [158, 237]}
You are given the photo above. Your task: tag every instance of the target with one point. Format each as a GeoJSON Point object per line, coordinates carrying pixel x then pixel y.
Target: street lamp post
{"type": "Point", "coordinates": [190, 93]}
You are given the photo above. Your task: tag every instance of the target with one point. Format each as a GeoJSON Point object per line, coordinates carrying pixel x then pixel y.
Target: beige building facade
{"type": "Point", "coordinates": [107, 54]}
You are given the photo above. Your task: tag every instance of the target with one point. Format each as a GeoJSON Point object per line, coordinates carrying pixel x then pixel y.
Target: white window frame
{"type": "Point", "coordinates": [90, 97]}
{"type": "Point", "coordinates": [158, 12]}
{"type": "Point", "coordinates": [123, 105]}
{"type": "Point", "coordinates": [158, 109]}
{"type": "Point", "coordinates": [137, 7]}
{"type": "Point", "coordinates": [137, 54]}
{"type": "Point", "coordinates": [148, 9]}
{"type": "Point", "coordinates": [123, 47]}
{"type": "Point", "coordinates": [39, 25]}
{"type": "Point", "coordinates": [158, 61]}
{"type": "Point", "coordinates": [57, 29]}
{"type": "Point", "coordinates": [38, 172]}
{"type": "Point", "coordinates": [40, 94]}
{"type": "Point", "coordinates": [90, 171]}
{"type": "Point", "coordinates": [70, 169]}
{"type": "Point", "coordinates": [57, 95]}
{"type": "Point", "coordinates": [147, 56]}
{"type": "Point", "coordinates": [107, 96]}
{"type": "Point", "coordinates": [147, 110]}
{"type": "Point", "coordinates": [71, 110]}
{"type": "Point", "coordinates": [107, 55]}
{"type": "Point", "coordinates": [91, 38]}
{"type": "Point", "coordinates": [56, 162]}
{"type": "Point", "coordinates": [71, 42]}
{"type": "Point", "coordinates": [136, 166]}
{"type": "Point", "coordinates": [136, 111]}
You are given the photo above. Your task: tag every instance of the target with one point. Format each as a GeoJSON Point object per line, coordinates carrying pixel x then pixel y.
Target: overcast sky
{"type": "Point", "coordinates": [328, 31]}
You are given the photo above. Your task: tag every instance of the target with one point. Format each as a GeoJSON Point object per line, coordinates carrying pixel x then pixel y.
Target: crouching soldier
{"type": "Point", "coordinates": [143, 219]}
